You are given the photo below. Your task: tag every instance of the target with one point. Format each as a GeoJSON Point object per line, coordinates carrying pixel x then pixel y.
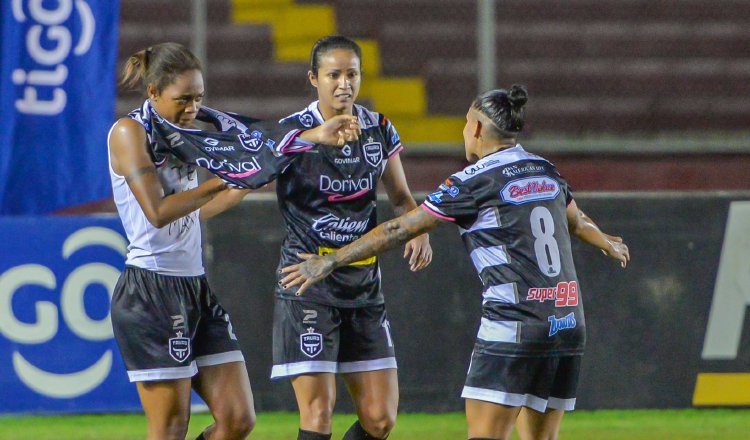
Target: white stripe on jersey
{"type": "Point", "coordinates": [489, 256]}
{"type": "Point", "coordinates": [499, 331]}
{"type": "Point", "coordinates": [488, 218]}
{"type": "Point", "coordinates": [366, 118]}
{"type": "Point", "coordinates": [494, 160]}
{"type": "Point", "coordinates": [504, 293]}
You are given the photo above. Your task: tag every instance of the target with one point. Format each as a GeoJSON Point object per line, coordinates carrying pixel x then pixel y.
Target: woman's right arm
{"type": "Point", "coordinates": [130, 159]}
{"type": "Point", "coordinates": [581, 226]}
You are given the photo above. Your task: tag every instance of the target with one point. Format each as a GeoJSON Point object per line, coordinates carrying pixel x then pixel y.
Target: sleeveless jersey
{"type": "Point", "coordinates": [511, 210]}
{"type": "Point", "coordinates": [174, 249]}
{"type": "Point", "coordinates": [327, 197]}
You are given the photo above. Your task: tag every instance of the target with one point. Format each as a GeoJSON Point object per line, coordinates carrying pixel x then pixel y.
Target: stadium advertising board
{"type": "Point", "coordinates": [57, 100]}
{"type": "Point", "coordinates": [57, 352]}
{"type": "Point", "coordinates": [670, 331]}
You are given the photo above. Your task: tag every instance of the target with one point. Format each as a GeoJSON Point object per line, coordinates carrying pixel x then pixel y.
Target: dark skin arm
{"type": "Point", "coordinates": [130, 158]}
{"type": "Point", "coordinates": [384, 237]}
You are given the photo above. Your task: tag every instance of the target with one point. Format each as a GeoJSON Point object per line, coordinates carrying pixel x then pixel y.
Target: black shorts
{"type": "Point", "coordinates": [167, 326]}
{"type": "Point", "coordinates": [316, 338]}
{"type": "Point", "coordinates": [535, 382]}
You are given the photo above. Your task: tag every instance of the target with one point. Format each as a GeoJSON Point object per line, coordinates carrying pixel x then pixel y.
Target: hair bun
{"type": "Point", "coordinates": [517, 96]}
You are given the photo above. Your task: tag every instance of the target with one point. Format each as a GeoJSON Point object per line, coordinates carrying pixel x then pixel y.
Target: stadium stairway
{"type": "Point", "coordinates": [593, 67]}
{"type": "Point", "coordinates": [612, 82]}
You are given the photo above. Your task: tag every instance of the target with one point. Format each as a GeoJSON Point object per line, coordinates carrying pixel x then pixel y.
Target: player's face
{"type": "Point", "coordinates": [337, 81]}
{"type": "Point", "coordinates": [470, 136]}
{"type": "Point", "coordinates": [180, 101]}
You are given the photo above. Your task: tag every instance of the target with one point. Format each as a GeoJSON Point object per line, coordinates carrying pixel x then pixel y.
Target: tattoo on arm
{"type": "Point", "coordinates": [139, 172]}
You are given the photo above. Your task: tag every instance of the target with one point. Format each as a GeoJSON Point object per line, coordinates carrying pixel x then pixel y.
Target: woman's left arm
{"type": "Point", "coordinates": [418, 249]}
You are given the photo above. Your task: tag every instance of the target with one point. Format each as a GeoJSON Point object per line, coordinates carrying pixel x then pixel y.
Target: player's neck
{"type": "Point", "coordinates": [329, 112]}
{"type": "Point", "coordinates": [493, 148]}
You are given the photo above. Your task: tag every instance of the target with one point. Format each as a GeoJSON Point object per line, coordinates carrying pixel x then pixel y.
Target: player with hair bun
{"type": "Point", "coordinates": [516, 215]}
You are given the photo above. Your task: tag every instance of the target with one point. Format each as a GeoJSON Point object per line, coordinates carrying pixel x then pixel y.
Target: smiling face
{"type": "Point", "coordinates": [337, 80]}
{"type": "Point", "coordinates": [180, 101]}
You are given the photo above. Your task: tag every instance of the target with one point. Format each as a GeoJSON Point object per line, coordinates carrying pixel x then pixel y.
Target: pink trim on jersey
{"type": "Point", "coordinates": [342, 198]}
{"type": "Point", "coordinates": [396, 151]}
{"type": "Point", "coordinates": [431, 210]}
{"type": "Point", "coordinates": [287, 144]}
{"type": "Point", "coordinates": [242, 175]}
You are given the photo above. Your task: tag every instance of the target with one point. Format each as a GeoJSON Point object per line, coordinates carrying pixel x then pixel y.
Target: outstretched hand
{"type": "Point", "coordinates": [306, 273]}
{"type": "Point", "coordinates": [336, 131]}
{"type": "Point", "coordinates": [617, 250]}
{"type": "Point", "coordinates": [419, 252]}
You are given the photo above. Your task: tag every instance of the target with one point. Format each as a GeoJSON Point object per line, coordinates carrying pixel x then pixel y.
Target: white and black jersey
{"type": "Point", "coordinates": [176, 248]}
{"type": "Point", "coordinates": [327, 197]}
{"type": "Point", "coordinates": [511, 210]}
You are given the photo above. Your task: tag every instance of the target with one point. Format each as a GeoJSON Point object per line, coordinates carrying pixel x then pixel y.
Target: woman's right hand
{"type": "Point", "coordinates": [336, 131]}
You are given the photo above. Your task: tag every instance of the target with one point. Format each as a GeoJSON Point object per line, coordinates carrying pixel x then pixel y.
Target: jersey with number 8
{"type": "Point", "coordinates": [511, 208]}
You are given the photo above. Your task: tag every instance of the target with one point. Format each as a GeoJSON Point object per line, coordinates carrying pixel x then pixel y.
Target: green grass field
{"type": "Point", "coordinates": [580, 425]}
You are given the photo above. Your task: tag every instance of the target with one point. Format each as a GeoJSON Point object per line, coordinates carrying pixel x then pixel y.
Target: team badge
{"type": "Point", "coordinates": [373, 152]}
{"type": "Point", "coordinates": [179, 347]}
{"type": "Point", "coordinates": [306, 120]}
{"type": "Point", "coordinates": [311, 343]}
{"type": "Point", "coordinates": [251, 142]}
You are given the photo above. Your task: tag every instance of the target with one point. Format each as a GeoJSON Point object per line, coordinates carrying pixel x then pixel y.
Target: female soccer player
{"type": "Point", "coordinates": [328, 199]}
{"type": "Point", "coordinates": [171, 330]}
{"type": "Point", "coordinates": [516, 214]}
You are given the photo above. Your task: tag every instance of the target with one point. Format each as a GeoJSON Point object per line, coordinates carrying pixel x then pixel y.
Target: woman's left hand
{"type": "Point", "coordinates": [419, 252]}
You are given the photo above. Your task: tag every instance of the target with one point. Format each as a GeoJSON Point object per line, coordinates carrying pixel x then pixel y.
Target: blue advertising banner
{"type": "Point", "coordinates": [57, 101]}
{"type": "Point", "coordinates": [57, 350]}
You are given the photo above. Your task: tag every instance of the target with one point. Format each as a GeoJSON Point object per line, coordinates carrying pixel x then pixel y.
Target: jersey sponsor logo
{"type": "Point", "coordinates": [340, 190]}
{"type": "Point", "coordinates": [330, 227]}
{"type": "Point", "coordinates": [238, 170]}
{"type": "Point", "coordinates": [221, 148]}
{"type": "Point", "coordinates": [346, 160]}
{"type": "Point", "coordinates": [566, 322]}
{"type": "Point", "coordinates": [515, 170]}
{"type": "Point", "coordinates": [179, 347]}
{"type": "Point", "coordinates": [346, 150]}
{"type": "Point", "coordinates": [306, 119]}
{"type": "Point", "coordinates": [311, 343]}
{"type": "Point", "coordinates": [530, 189]}
{"type": "Point", "coordinates": [565, 294]}
{"type": "Point", "coordinates": [436, 198]}
{"type": "Point", "coordinates": [395, 139]}
{"type": "Point", "coordinates": [471, 170]}
{"type": "Point", "coordinates": [251, 142]}
{"type": "Point", "coordinates": [449, 189]}
{"type": "Point", "coordinates": [373, 152]}
{"type": "Point", "coordinates": [366, 262]}
{"type": "Point", "coordinates": [211, 141]}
